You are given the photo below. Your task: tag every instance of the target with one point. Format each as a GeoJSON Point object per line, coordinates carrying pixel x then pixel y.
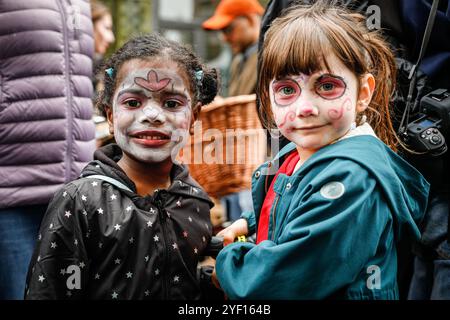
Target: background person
{"type": "Point", "coordinates": [46, 128]}
{"type": "Point", "coordinates": [239, 21]}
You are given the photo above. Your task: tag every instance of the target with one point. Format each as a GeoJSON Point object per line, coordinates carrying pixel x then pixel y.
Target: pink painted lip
{"type": "Point", "coordinates": [150, 138]}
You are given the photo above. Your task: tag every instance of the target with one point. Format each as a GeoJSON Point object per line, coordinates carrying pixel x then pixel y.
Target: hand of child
{"type": "Point", "coordinates": [238, 228]}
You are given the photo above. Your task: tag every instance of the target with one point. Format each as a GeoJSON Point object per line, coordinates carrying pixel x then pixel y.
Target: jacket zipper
{"type": "Point", "coordinates": [265, 183]}
{"type": "Point", "coordinates": [273, 217]}
{"type": "Point", "coordinates": [68, 159]}
{"type": "Point", "coordinates": [162, 216]}
{"type": "Point", "coordinates": [1, 92]}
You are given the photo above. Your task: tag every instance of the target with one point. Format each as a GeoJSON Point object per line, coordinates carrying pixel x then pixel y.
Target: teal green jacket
{"type": "Point", "coordinates": [333, 226]}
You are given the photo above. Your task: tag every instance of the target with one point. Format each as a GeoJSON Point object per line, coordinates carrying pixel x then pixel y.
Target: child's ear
{"type": "Point", "coordinates": [109, 117]}
{"type": "Point", "coordinates": [366, 90]}
{"type": "Point", "coordinates": [195, 115]}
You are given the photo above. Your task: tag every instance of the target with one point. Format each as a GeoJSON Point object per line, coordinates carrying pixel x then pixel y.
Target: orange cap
{"type": "Point", "coordinates": [227, 10]}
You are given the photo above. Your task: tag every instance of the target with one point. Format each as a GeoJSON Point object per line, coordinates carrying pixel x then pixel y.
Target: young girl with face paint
{"type": "Point", "coordinates": [136, 223]}
{"type": "Point", "coordinates": [331, 207]}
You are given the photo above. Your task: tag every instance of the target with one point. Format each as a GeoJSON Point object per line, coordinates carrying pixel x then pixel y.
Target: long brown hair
{"type": "Point", "coordinates": [301, 40]}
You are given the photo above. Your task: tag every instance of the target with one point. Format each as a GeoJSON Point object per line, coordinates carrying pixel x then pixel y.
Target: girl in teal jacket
{"type": "Point", "coordinates": [330, 208]}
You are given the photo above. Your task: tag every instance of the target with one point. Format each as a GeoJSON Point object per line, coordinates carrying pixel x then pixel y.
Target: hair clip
{"type": "Point", "coordinates": [110, 72]}
{"type": "Point", "coordinates": [199, 77]}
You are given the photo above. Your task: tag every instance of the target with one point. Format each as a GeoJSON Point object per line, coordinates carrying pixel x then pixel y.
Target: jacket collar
{"type": "Point", "coordinates": [105, 163]}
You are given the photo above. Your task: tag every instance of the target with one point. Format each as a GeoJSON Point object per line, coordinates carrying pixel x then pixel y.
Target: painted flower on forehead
{"type": "Point", "coordinates": [152, 83]}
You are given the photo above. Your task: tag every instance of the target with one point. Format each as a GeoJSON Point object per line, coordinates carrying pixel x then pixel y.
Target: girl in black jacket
{"type": "Point", "coordinates": [135, 224]}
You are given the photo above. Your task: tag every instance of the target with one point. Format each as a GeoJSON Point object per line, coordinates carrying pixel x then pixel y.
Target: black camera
{"type": "Point", "coordinates": [426, 134]}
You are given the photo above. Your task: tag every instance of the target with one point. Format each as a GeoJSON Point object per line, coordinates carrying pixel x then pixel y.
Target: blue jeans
{"type": "Point", "coordinates": [236, 203]}
{"type": "Point", "coordinates": [431, 276]}
{"type": "Point", "coordinates": [18, 234]}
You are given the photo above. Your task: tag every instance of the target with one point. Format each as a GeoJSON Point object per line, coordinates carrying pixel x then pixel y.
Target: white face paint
{"type": "Point", "coordinates": [152, 112]}
{"type": "Point", "coordinates": [314, 110]}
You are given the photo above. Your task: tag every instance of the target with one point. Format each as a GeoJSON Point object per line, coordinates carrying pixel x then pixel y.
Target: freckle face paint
{"type": "Point", "coordinates": [315, 110]}
{"type": "Point", "coordinates": [152, 112]}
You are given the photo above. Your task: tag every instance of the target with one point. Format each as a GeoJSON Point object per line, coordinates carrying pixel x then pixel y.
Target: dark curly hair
{"type": "Point", "coordinates": [154, 45]}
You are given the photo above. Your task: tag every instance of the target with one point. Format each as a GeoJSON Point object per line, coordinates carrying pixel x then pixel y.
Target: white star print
{"type": "Point", "coordinates": [51, 225]}
{"type": "Point", "coordinates": [185, 234]}
{"type": "Point", "coordinates": [176, 279]}
{"type": "Point", "coordinates": [179, 203]}
{"type": "Point", "coordinates": [156, 238]}
{"type": "Point", "coordinates": [69, 294]}
{"type": "Point", "coordinates": [156, 271]}
{"type": "Point", "coordinates": [152, 210]}
{"type": "Point", "coordinates": [97, 276]}
{"type": "Point", "coordinates": [129, 208]}
{"type": "Point", "coordinates": [100, 211]}
{"type": "Point", "coordinates": [41, 278]}
{"type": "Point", "coordinates": [83, 197]}
{"type": "Point", "coordinates": [114, 295]}
{"type": "Point", "coordinates": [53, 245]}
{"type": "Point", "coordinates": [40, 237]}
{"type": "Point", "coordinates": [63, 271]}
{"type": "Point", "coordinates": [129, 275]}
{"type": "Point", "coordinates": [195, 250]}
{"type": "Point", "coordinates": [175, 246]}
{"type": "Point", "coordinates": [84, 213]}
{"type": "Point", "coordinates": [68, 214]}
{"type": "Point", "coordinates": [100, 245]}
{"type": "Point", "coordinates": [204, 239]}
{"type": "Point", "coordinates": [147, 293]}
{"type": "Point", "coordinates": [64, 193]}
{"type": "Point", "coordinates": [117, 261]}
{"type": "Point", "coordinates": [82, 265]}
{"type": "Point", "coordinates": [149, 224]}
{"type": "Point", "coordinates": [117, 227]}
{"type": "Point", "coordinates": [146, 258]}
{"type": "Point", "coordinates": [113, 197]}
{"type": "Point", "coordinates": [131, 240]}
{"type": "Point", "coordinates": [94, 183]}
{"type": "Point", "coordinates": [75, 242]}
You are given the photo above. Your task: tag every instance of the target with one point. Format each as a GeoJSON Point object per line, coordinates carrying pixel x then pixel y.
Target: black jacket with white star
{"type": "Point", "coordinates": [98, 241]}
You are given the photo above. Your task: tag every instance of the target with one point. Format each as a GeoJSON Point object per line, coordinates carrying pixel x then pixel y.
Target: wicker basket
{"type": "Point", "coordinates": [227, 146]}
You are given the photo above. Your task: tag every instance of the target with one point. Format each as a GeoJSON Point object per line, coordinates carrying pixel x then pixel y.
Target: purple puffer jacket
{"type": "Point", "coordinates": [46, 131]}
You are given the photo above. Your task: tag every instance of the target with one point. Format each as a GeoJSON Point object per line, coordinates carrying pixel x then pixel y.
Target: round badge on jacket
{"type": "Point", "coordinates": [332, 190]}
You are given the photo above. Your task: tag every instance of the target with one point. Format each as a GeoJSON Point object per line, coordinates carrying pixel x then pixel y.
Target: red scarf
{"type": "Point", "coordinates": [287, 168]}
